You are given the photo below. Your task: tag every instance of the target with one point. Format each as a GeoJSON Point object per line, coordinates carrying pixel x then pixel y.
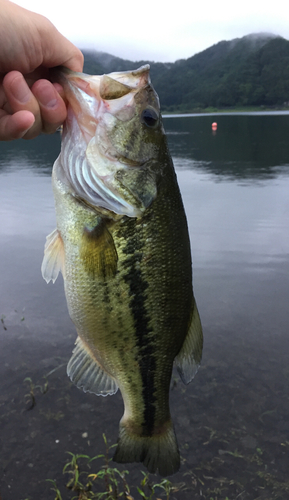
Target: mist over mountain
{"type": "Point", "coordinates": [248, 71]}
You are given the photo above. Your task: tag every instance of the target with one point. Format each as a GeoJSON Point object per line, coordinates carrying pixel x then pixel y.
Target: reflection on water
{"type": "Point", "coordinates": [37, 155]}
{"type": "Point", "coordinates": [232, 422]}
{"type": "Point", "coordinates": [244, 146]}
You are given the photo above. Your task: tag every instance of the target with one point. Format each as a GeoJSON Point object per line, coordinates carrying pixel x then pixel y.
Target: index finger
{"type": "Point", "coordinates": [59, 51]}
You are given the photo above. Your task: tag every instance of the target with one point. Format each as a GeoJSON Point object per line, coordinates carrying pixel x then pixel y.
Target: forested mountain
{"type": "Point", "coordinates": [248, 71]}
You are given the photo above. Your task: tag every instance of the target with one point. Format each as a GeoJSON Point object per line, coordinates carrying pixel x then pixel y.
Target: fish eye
{"type": "Point", "coordinates": [149, 117]}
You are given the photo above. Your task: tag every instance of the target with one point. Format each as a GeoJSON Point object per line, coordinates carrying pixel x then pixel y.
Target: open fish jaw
{"type": "Point", "coordinates": [96, 146]}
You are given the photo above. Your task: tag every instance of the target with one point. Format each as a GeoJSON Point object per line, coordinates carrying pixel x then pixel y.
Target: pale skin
{"type": "Point", "coordinates": [29, 45]}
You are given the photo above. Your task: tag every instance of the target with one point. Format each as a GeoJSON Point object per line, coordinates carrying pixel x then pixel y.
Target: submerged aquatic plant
{"type": "Point", "coordinates": [58, 494]}
{"type": "Point", "coordinates": [165, 484]}
{"type": "Point", "coordinates": [2, 321]}
{"type": "Point", "coordinates": [110, 482]}
{"type": "Point", "coordinates": [30, 397]}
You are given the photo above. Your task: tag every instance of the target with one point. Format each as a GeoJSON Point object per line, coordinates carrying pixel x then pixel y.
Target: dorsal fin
{"type": "Point", "coordinates": [84, 371]}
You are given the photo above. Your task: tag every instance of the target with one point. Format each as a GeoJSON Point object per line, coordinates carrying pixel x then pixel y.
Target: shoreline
{"type": "Point", "coordinates": [221, 111]}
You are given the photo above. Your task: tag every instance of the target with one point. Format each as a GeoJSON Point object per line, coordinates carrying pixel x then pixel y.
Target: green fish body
{"type": "Point", "coordinates": [123, 248]}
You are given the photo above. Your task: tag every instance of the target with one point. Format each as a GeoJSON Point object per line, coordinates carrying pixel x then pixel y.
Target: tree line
{"type": "Point", "coordinates": [251, 71]}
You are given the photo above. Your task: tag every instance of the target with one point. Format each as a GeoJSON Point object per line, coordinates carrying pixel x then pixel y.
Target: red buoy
{"type": "Point", "coordinates": [214, 126]}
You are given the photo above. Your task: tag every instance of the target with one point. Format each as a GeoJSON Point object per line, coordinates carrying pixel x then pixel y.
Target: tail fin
{"type": "Point", "coordinates": [158, 452]}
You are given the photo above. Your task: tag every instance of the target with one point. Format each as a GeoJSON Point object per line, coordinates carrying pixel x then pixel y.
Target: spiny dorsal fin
{"type": "Point", "coordinates": [53, 260]}
{"type": "Point", "coordinates": [84, 371]}
{"type": "Point", "coordinates": [98, 252]}
{"type": "Point", "coordinates": [189, 358]}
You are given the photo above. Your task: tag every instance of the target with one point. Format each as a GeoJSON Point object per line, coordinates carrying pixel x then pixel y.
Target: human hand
{"type": "Point", "coordinates": [29, 103]}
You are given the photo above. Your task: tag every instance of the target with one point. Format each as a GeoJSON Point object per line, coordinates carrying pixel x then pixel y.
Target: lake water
{"type": "Point", "coordinates": [232, 421]}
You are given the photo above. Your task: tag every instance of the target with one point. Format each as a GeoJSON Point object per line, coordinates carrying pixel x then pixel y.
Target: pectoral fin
{"type": "Point", "coordinates": [189, 358]}
{"type": "Point", "coordinates": [84, 371]}
{"type": "Point", "coordinates": [98, 252]}
{"type": "Point", "coordinates": [53, 260]}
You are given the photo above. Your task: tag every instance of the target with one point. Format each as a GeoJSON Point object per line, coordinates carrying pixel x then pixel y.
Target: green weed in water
{"type": "Point", "coordinates": [2, 321]}
{"type": "Point", "coordinates": [110, 482]}
{"type": "Point", "coordinates": [30, 397]}
{"type": "Point", "coordinates": [164, 485]}
{"type": "Point", "coordinates": [58, 494]}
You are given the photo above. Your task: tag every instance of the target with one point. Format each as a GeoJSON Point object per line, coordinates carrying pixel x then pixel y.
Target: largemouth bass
{"type": "Point", "coordinates": [123, 248]}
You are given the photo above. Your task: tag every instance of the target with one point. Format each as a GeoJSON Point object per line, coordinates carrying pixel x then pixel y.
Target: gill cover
{"type": "Point", "coordinates": [110, 139]}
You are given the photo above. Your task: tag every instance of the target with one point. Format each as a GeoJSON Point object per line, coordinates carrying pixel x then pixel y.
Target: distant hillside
{"type": "Point", "coordinates": [248, 71]}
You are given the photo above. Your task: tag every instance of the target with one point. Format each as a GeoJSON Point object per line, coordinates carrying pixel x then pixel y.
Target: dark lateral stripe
{"type": "Point", "coordinates": [138, 286]}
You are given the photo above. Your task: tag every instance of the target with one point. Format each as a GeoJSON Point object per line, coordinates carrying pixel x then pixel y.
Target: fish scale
{"type": "Point", "coordinates": [125, 257]}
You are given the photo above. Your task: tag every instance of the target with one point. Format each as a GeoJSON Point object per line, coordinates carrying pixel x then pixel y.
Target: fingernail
{"type": "Point", "coordinates": [20, 90]}
{"type": "Point", "coordinates": [24, 132]}
{"type": "Point", "coordinates": [47, 96]}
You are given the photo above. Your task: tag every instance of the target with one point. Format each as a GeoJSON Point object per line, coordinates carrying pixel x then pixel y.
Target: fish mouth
{"type": "Point", "coordinates": [131, 163]}
{"type": "Point", "coordinates": [100, 158]}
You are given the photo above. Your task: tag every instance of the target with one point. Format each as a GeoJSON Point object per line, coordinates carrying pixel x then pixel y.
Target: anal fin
{"type": "Point", "coordinates": [84, 371]}
{"type": "Point", "coordinates": [53, 260]}
{"type": "Point", "coordinates": [189, 358]}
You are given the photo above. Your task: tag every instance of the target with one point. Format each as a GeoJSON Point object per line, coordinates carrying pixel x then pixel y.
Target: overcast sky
{"type": "Point", "coordinates": [160, 30]}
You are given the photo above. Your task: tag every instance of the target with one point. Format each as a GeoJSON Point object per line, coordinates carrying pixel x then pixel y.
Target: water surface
{"type": "Point", "coordinates": [232, 421]}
